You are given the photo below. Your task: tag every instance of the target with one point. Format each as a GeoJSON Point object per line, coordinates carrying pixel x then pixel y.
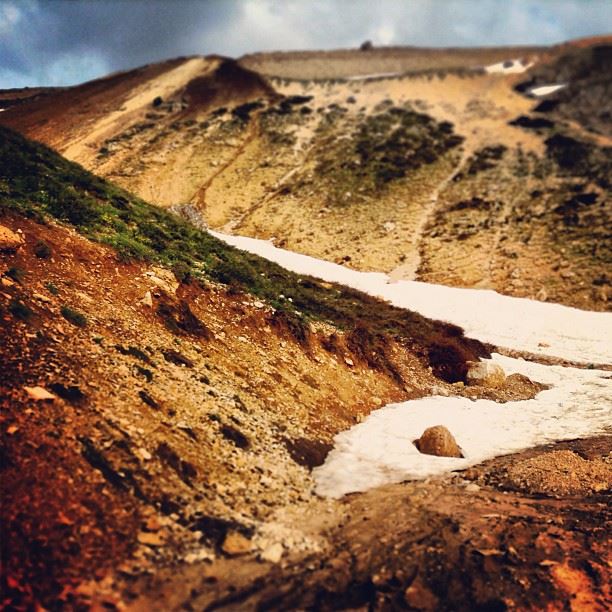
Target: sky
{"type": "Point", "coordinates": [64, 42]}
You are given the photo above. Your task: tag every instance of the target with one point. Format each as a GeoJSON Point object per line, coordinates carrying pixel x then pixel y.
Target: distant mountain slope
{"type": "Point", "coordinates": [343, 63]}
{"type": "Point", "coordinates": [447, 173]}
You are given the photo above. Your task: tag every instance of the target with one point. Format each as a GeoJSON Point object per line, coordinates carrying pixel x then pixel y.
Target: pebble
{"type": "Point", "coordinates": [272, 553]}
{"type": "Point", "coordinates": [39, 393]}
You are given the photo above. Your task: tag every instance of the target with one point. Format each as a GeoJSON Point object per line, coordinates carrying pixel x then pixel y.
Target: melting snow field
{"type": "Point", "coordinates": [381, 451]}
{"type": "Point", "coordinates": [545, 90]}
{"type": "Point", "coordinates": [514, 323]}
{"type": "Point", "coordinates": [513, 66]}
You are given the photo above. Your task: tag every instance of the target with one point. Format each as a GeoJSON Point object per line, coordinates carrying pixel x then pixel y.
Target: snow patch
{"type": "Point", "coordinates": [380, 450]}
{"type": "Point", "coordinates": [545, 90]}
{"type": "Point", "coordinates": [512, 66]}
{"type": "Point", "coordinates": [515, 323]}
{"type": "Point", "coordinates": [376, 75]}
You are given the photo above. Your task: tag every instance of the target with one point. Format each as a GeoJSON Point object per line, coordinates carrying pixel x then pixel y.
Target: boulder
{"type": "Point", "coordinates": [236, 544]}
{"type": "Point", "coordinates": [485, 374]}
{"type": "Point", "coordinates": [438, 441]}
{"type": "Point", "coordinates": [163, 278]}
{"type": "Point", "coordinates": [10, 241]}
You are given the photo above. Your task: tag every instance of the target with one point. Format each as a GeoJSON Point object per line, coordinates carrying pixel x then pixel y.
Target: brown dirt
{"type": "Point", "coordinates": [170, 425]}
{"type": "Point", "coordinates": [202, 406]}
{"type": "Point", "coordinates": [561, 473]}
{"type": "Point", "coordinates": [437, 545]}
{"type": "Point", "coordinates": [342, 63]}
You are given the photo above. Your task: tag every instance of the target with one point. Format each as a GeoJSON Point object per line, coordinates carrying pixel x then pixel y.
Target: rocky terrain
{"type": "Point", "coordinates": [164, 397]}
{"type": "Point", "coordinates": [430, 164]}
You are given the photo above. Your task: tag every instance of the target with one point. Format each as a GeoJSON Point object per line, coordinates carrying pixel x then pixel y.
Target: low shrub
{"type": "Point", "coordinates": [74, 316]}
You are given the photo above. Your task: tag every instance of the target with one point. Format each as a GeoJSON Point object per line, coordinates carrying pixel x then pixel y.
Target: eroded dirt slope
{"type": "Point", "coordinates": [443, 173]}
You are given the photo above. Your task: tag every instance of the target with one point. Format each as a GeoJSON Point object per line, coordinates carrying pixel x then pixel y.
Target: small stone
{"type": "Point", "coordinates": [438, 441]}
{"type": "Point", "coordinates": [272, 553]}
{"type": "Point", "coordinates": [9, 240]}
{"type": "Point", "coordinates": [201, 555]}
{"type": "Point", "coordinates": [151, 539]}
{"type": "Point", "coordinates": [472, 487]}
{"type": "Point", "coordinates": [153, 523]}
{"type": "Point", "coordinates": [541, 295]}
{"type": "Point", "coordinates": [236, 544]}
{"type": "Point", "coordinates": [163, 278]}
{"type": "Point", "coordinates": [12, 429]}
{"type": "Point", "coordinates": [145, 454]}
{"type": "Point", "coordinates": [440, 390]}
{"type": "Point", "coordinates": [147, 300]}
{"type": "Point", "coordinates": [42, 298]}
{"type": "Point", "coordinates": [39, 393]}
{"type": "Point", "coordinates": [485, 374]}
{"type": "Point", "coordinates": [419, 597]}
{"type": "Point", "coordinates": [349, 361]}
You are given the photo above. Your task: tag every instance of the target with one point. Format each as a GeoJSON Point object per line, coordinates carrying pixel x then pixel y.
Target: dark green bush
{"type": "Point", "coordinates": [42, 250]}
{"type": "Point", "coordinates": [20, 310]}
{"type": "Point", "coordinates": [74, 316]}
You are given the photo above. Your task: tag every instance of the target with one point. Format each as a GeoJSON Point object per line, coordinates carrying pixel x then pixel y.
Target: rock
{"type": "Point", "coordinates": [163, 278]}
{"type": "Point", "coordinates": [349, 361]}
{"type": "Point", "coordinates": [153, 523]}
{"type": "Point", "coordinates": [485, 374]}
{"type": "Point", "coordinates": [39, 393]}
{"type": "Point", "coordinates": [472, 487]}
{"type": "Point", "coordinates": [419, 597]}
{"type": "Point", "coordinates": [438, 441]}
{"type": "Point", "coordinates": [145, 454]}
{"type": "Point", "coordinates": [151, 539]}
{"type": "Point", "coordinates": [236, 544]}
{"type": "Point", "coordinates": [541, 295]}
{"type": "Point", "coordinates": [9, 240]}
{"type": "Point", "coordinates": [147, 300]}
{"type": "Point", "coordinates": [440, 390]}
{"type": "Point", "coordinates": [272, 553]}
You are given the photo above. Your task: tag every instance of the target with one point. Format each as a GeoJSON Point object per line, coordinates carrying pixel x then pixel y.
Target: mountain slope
{"type": "Point", "coordinates": [183, 407]}
{"type": "Point", "coordinates": [443, 172]}
{"type": "Point", "coordinates": [158, 427]}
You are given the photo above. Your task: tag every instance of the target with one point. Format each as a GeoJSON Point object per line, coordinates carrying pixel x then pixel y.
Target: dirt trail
{"type": "Point", "coordinates": [408, 270]}
{"type": "Point", "coordinates": [199, 197]}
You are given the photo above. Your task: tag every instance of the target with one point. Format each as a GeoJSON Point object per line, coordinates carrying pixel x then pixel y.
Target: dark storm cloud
{"type": "Point", "coordinates": [67, 41]}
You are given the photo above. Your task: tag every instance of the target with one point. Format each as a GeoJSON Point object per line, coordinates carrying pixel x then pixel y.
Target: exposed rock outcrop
{"type": "Point", "coordinates": [10, 241]}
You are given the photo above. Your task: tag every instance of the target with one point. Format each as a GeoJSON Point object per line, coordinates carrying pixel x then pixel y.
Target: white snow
{"type": "Point", "coordinates": [380, 450]}
{"type": "Point", "coordinates": [515, 323]}
{"type": "Point", "coordinates": [375, 75]}
{"type": "Point", "coordinates": [545, 90]}
{"type": "Point", "coordinates": [512, 66]}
